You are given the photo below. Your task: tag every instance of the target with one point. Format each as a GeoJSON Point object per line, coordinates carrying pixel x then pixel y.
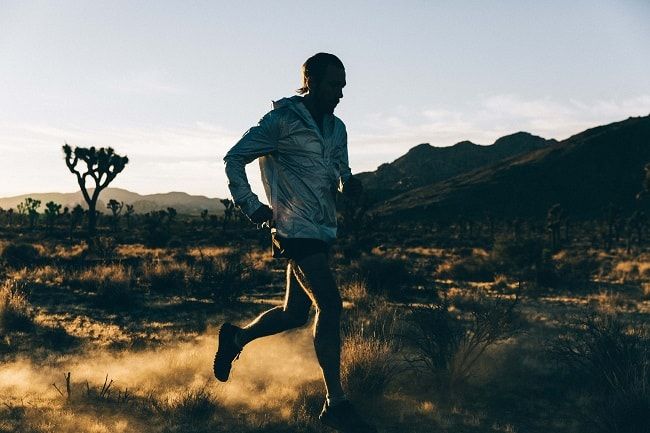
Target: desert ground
{"type": "Point", "coordinates": [458, 327]}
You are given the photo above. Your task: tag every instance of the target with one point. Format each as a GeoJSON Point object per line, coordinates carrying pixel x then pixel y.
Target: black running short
{"type": "Point", "coordinates": [297, 248]}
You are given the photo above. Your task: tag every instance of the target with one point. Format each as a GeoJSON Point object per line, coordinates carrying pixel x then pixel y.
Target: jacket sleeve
{"type": "Point", "coordinates": [258, 141]}
{"type": "Point", "coordinates": [344, 164]}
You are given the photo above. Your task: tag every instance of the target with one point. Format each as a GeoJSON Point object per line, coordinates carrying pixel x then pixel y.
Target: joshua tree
{"type": "Point", "coordinates": [229, 209]}
{"type": "Point", "coordinates": [129, 214]}
{"type": "Point", "coordinates": [646, 183]}
{"type": "Point", "coordinates": [204, 217]}
{"type": "Point", "coordinates": [554, 219]}
{"type": "Point", "coordinates": [52, 211]}
{"type": "Point", "coordinates": [612, 216]}
{"type": "Point", "coordinates": [10, 216]}
{"type": "Point", "coordinates": [116, 208]}
{"type": "Point", "coordinates": [101, 165]}
{"type": "Point", "coordinates": [30, 208]}
{"type": "Point", "coordinates": [635, 225]}
{"type": "Point", "coordinates": [171, 214]}
{"type": "Point", "coordinates": [76, 217]}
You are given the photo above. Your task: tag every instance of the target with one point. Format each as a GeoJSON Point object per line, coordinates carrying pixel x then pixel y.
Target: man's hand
{"type": "Point", "coordinates": [262, 215]}
{"type": "Point", "coordinates": [352, 188]}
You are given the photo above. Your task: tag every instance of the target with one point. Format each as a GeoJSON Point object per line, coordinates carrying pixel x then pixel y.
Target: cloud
{"type": "Point", "coordinates": [383, 137]}
{"type": "Point", "coordinates": [189, 157]}
{"type": "Point", "coordinates": [184, 157]}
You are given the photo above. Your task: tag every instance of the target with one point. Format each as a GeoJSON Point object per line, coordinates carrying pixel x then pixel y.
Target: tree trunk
{"type": "Point", "coordinates": [92, 218]}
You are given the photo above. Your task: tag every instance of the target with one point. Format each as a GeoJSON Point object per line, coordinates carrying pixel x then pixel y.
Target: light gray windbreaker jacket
{"type": "Point", "coordinates": [301, 169]}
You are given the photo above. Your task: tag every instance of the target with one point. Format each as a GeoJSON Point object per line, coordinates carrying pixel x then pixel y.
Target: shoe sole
{"type": "Point", "coordinates": [214, 364]}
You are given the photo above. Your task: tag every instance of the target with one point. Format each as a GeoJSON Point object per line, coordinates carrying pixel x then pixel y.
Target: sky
{"type": "Point", "coordinates": [174, 84]}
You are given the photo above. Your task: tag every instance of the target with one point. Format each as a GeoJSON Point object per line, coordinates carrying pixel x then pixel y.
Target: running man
{"type": "Point", "coordinates": [303, 157]}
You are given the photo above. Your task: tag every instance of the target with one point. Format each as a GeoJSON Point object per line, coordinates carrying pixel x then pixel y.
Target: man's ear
{"type": "Point", "coordinates": [311, 84]}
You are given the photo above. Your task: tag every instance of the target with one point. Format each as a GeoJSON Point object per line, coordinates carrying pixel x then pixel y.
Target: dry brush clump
{"type": "Point", "coordinates": [612, 360]}
{"type": "Point", "coordinates": [448, 344]}
{"type": "Point", "coordinates": [474, 265]}
{"type": "Point", "coordinates": [114, 285]}
{"type": "Point", "coordinates": [22, 254]}
{"type": "Point", "coordinates": [15, 310]}
{"type": "Point", "coordinates": [369, 363]}
{"type": "Point", "coordinates": [166, 276]}
{"type": "Point", "coordinates": [383, 276]}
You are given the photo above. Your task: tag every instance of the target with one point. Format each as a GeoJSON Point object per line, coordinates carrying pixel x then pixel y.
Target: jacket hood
{"type": "Point", "coordinates": [291, 100]}
{"type": "Point", "coordinates": [295, 103]}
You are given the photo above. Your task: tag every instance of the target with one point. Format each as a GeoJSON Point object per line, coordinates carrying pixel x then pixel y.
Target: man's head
{"type": "Point", "coordinates": [323, 78]}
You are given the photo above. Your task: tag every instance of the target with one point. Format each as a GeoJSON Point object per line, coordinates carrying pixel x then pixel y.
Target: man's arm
{"type": "Point", "coordinates": [348, 184]}
{"type": "Point", "coordinates": [344, 164]}
{"type": "Point", "coordinates": [258, 141]}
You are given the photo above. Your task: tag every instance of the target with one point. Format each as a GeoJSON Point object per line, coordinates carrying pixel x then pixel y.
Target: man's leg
{"type": "Point", "coordinates": [232, 339]}
{"type": "Point", "coordinates": [315, 275]}
{"type": "Point", "coordinates": [293, 314]}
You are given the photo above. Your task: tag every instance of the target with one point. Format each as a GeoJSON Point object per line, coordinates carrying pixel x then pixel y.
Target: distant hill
{"type": "Point", "coordinates": [583, 173]}
{"type": "Point", "coordinates": [425, 164]}
{"type": "Point", "coordinates": [182, 202]}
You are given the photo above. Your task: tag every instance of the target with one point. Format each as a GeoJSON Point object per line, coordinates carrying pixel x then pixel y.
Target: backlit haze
{"type": "Point", "coordinates": [173, 85]}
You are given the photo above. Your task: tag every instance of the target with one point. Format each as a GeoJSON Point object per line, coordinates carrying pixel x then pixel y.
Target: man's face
{"type": "Point", "coordinates": [330, 89]}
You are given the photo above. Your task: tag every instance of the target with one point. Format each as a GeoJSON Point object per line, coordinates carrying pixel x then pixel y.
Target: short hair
{"type": "Point", "coordinates": [314, 69]}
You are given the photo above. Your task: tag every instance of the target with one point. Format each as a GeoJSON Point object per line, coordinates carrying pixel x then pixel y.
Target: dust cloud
{"type": "Point", "coordinates": [270, 371]}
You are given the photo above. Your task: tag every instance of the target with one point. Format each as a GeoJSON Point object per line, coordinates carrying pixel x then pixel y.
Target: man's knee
{"type": "Point", "coordinates": [330, 306]}
{"type": "Point", "coordinates": [295, 319]}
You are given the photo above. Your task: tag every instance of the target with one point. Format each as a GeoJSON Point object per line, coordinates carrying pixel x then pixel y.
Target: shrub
{"type": "Point", "coordinates": [517, 257]}
{"type": "Point", "coordinates": [15, 312]}
{"type": "Point", "coordinates": [356, 292]}
{"type": "Point", "coordinates": [112, 285]}
{"type": "Point", "coordinates": [368, 364]}
{"type": "Point", "coordinates": [470, 268]}
{"type": "Point", "coordinates": [613, 362]}
{"type": "Point", "coordinates": [165, 276]}
{"type": "Point", "coordinates": [383, 276]}
{"type": "Point", "coordinates": [193, 405]}
{"type": "Point", "coordinates": [222, 277]}
{"type": "Point", "coordinates": [21, 254]}
{"type": "Point", "coordinates": [578, 268]}
{"type": "Point", "coordinates": [449, 347]}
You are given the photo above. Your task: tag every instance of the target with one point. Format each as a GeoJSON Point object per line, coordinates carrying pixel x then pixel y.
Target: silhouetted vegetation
{"type": "Point", "coordinates": [100, 167]}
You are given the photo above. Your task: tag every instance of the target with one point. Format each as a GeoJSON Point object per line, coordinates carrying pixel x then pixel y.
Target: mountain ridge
{"type": "Point", "coordinates": [584, 173]}
{"type": "Point", "coordinates": [183, 202]}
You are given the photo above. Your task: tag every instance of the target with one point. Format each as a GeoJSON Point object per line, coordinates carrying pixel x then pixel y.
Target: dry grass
{"type": "Point", "coordinates": [72, 252]}
{"type": "Point", "coordinates": [140, 251]}
{"type": "Point", "coordinates": [113, 284]}
{"type": "Point", "coordinates": [369, 364]}
{"type": "Point", "coordinates": [355, 292]}
{"type": "Point", "coordinates": [632, 271]}
{"type": "Point", "coordinates": [166, 276]}
{"type": "Point", "coordinates": [208, 251]}
{"type": "Point", "coordinates": [15, 311]}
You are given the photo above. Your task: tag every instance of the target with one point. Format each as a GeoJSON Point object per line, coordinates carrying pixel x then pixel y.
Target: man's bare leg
{"type": "Point", "coordinates": [314, 274]}
{"type": "Point", "coordinates": [293, 314]}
